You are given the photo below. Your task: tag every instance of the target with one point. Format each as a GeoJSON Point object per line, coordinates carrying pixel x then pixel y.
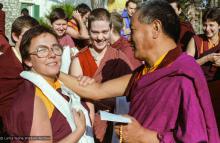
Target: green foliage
{"type": "Point", "coordinates": [44, 22]}
{"type": "Point", "coordinates": [67, 7]}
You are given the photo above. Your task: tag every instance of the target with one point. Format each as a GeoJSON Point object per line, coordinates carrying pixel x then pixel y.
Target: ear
{"type": "Point", "coordinates": [15, 37]}
{"type": "Point", "coordinates": [28, 63]}
{"type": "Point", "coordinates": [156, 28]}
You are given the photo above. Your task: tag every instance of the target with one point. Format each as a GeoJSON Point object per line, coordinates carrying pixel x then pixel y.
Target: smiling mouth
{"type": "Point", "coordinates": [52, 64]}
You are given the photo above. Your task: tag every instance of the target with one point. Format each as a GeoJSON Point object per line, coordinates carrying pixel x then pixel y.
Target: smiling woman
{"type": "Point", "coordinates": [41, 54]}
{"type": "Point", "coordinates": [58, 21]}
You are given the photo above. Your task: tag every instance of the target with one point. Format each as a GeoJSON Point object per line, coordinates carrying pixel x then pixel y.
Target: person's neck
{"type": "Point", "coordinates": [98, 54]}
{"type": "Point", "coordinates": [159, 50]}
{"type": "Point", "coordinates": [215, 40]}
{"type": "Point", "coordinates": [50, 80]}
{"type": "Point", "coordinates": [114, 38]}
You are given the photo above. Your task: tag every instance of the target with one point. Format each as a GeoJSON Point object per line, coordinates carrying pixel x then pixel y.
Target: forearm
{"type": "Point", "coordinates": [83, 31]}
{"type": "Point", "coordinates": [96, 91]}
{"type": "Point", "coordinates": [203, 60]}
{"type": "Point", "coordinates": [84, 92]}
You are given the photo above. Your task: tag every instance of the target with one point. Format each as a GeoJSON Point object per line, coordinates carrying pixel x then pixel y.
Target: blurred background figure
{"type": "Point", "coordinates": [130, 8]}
{"type": "Point", "coordinates": [25, 12]}
{"type": "Point", "coordinates": [77, 26]}
{"type": "Point", "coordinates": [2, 20]}
{"type": "Point", "coordinates": [186, 29]}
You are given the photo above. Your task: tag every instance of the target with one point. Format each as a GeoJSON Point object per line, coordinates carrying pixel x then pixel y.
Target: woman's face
{"type": "Point", "coordinates": [48, 66]}
{"type": "Point", "coordinates": [211, 28]}
{"type": "Point", "coordinates": [100, 34]}
{"type": "Point", "coordinates": [60, 26]}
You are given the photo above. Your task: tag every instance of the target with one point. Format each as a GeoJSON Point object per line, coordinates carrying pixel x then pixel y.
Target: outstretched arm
{"type": "Point", "coordinates": [96, 91]}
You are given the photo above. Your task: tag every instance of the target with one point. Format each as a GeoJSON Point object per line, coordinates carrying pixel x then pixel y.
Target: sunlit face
{"type": "Point", "coordinates": [48, 66]}
{"type": "Point", "coordinates": [175, 7]}
{"type": "Point", "coordinates": [100, 34]}
{"type": "Point", "coordinates": [131, 8]}
{"type": "Point", "coordinates": [211, 28]}
{"type": "Point", "coordinates": [60, 26]}
{"type": "Point", "coordinates": [141, 36]}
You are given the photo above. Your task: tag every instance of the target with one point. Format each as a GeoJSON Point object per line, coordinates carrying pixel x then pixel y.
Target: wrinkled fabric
{"type": "Point", "coordinates": [174, 101]}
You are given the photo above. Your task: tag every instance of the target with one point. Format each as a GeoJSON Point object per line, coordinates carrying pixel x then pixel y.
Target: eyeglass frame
{"type": "Point", "coordinates": [36, 52]}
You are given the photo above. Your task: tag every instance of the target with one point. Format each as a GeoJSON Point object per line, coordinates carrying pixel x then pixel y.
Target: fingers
{"type": "Point", "coordinates": [85, 80]}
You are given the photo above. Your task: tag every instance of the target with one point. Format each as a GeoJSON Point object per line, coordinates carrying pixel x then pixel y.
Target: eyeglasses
{"type": "Point", "coordinates": [43, 51]}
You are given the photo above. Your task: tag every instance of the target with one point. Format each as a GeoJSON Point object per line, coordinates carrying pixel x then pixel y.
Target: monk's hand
{"type": "Point", "coordinates": [134, 133]}
{"type": "Point", "coordinates": [212, 57]}
{"type": "Point", "coordinates": [80, 121]}
{"type": "Point", "coordinates": [216, 60]}
{"type": "Point", "coordinates": [85, 80]}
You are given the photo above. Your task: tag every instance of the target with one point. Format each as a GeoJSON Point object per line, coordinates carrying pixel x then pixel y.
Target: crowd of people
{"type": "Point", "coordinates": [144, 63]}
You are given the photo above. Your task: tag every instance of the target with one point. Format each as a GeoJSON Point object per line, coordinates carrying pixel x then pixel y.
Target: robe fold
{"type": "Point", "coordinates": [174, 101]}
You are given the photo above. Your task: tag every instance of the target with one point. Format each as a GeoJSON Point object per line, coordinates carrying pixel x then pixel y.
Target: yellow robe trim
{"type": "Point", "coordinates": [49, 105]}
{"type": "Point", "coordinates": [154, 67]}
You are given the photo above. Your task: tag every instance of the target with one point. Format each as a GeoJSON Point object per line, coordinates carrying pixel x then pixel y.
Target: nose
{"type": "Point", "coordinates": [51, 53]}
{"type": "Point", "coordinates": [100, 36]}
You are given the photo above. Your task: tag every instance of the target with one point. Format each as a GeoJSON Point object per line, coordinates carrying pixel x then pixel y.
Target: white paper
{"type": "Point", "coordinates": [114, 117]}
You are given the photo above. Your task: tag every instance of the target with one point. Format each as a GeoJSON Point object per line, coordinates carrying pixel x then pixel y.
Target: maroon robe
{"type": "Point", "coordinates": [2, 22]}
{"type": "Point", "coordinates": [211, 72]}
{"type": "Point", "coordinates": [124, 45]}
{"type": "Point", "coordinates": [186, 33]}
{"type": "Point", "coordinates": [174, 101]}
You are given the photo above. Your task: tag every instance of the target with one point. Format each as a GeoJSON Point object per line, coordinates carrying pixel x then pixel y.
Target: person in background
{"type": "Point", "coordinates": [206, 50]}
{"type": "Point", "coordinates": [58, 20]}
{"type": "Point", "coordinates": [25, 12]}
{"type": "Point", "coordinates": [77, 26]}
{"type": "Point", "coordinates": [119, 42]}
{"type": "Point", "coordinates": [130, 8]}
{"type": "Point", "coordinates": [19, 27]}
{"type": "Point", "coordinates": [169, 97]}
{"type": "Point", "coordinates": [115, 5]}
{"type": "Point", "coordinates": [2, 20]}
{"type": "Point", "coordinates": [102, 62]}
{"type": "Point", "coordinates": [186, 29]}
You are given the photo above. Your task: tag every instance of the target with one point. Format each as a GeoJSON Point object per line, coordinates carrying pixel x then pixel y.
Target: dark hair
{"type": "Point", "coordinates": [22, 22]}
{"type": "Point", "coordinates": [57, 13]}
{"type": "Point", "coordinates": [174, 1]}
{"type": "Point", "coordinates": [99, 14]}
{"type": "Point", "coordinates": [83, 9]}
{"type": "Point", "coordinates": [130, 1]}
{"type": "Point", "coordinates": [162, 11]}
{"type": "Point", "coordinates": [25, 12]}
{"type": "Point", "coordinates": [26, 41]}
{"type": "Point", "coordinates": [1, 5]}
{"type": "Point", "coordinates": [212, 14]}
{"type": "Point", "coordinates": [117, 22]}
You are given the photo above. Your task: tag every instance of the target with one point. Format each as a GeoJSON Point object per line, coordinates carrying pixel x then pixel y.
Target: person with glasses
{"type": "Point", "coordinates": [47, 107]}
